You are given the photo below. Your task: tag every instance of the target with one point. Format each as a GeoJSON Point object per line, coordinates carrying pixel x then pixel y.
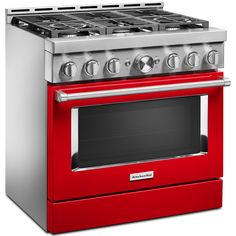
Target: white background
{"type": "Point", "coordinates": [221, 14]}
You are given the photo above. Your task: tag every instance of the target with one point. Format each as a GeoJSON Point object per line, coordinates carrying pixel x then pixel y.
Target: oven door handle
{"type": "Point", "coordinates": [64, 97]}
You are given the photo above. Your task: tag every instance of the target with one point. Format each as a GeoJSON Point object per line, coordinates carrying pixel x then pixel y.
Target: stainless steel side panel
{"type": "Point", "coordinates": [113, 42]}
{"type": "Point", "coordinates": [26, 123]}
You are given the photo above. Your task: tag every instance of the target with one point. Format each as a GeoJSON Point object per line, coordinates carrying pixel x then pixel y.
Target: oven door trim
{"type": "Point", "coordinates": [75, 137]}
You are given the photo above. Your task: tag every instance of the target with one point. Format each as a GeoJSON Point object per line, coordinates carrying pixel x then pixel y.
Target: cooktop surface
{"type": "Point", "coordinates": [93, 23]}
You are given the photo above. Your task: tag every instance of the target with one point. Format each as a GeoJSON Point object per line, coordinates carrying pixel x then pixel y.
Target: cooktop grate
{"type": "Point", "coordinates": [93, 23]}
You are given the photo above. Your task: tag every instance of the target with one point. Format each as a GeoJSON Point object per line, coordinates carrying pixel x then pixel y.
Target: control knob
{"type": "Point", "coordinates": [192, 59]}
{"type": "Point", "coordinates": [69, 69]}
{"type": "Point", "coordinates": [144, 63]}
{"type": "Point", "coordinates": [213, 58]}
{"type": "Point", "coordinates": [173, 61]}
{"type": "Point", "coordinates": [113, 66]}
{"type": "Point", "coordinates": [91, 68]}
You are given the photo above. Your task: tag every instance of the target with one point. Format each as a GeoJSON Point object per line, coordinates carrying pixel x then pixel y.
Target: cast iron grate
{"type": "Point", "coordinates": [94, 23]}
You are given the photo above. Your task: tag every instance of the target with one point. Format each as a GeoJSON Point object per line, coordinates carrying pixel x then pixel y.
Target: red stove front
{"type": "Point", "coordinates": [134, 149]}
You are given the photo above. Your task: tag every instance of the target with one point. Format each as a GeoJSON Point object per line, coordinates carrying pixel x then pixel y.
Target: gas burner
{"type": "Point", "coordinates": [125, 25]}
{"type": "Point", "coordinates": [58, 26]}
{"type": "Point", "coordinates": [162, 20]}
{"type": "Point", "coordinates": [71, 25]}
{"type": "Point", "coordinates": [78, 25]}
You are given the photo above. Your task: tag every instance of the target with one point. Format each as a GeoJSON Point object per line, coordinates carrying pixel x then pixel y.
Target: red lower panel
{"type": "Point", "coordinates": [133, 206]}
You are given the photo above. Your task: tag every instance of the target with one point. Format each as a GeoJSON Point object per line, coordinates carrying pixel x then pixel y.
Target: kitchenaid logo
{"type": "Point", "coordinates": [142, 175]}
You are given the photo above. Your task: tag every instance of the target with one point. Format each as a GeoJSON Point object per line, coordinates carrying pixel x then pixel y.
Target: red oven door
{"type": "Point", "coordinates": [131, 134]}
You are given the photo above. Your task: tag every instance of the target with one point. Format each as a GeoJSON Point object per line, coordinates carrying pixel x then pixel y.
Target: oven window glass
{"type": "Point", "coordinates": [132, 132]}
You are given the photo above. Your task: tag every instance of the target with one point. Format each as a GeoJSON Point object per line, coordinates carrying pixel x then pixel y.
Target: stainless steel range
{"type": "Point", "coordinates": [112, 105]}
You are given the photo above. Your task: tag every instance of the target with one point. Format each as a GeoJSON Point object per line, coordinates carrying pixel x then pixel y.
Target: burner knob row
{"type": "Point", "coordinates": [192, 59]}
{"type": "Point", "coordinates": [91, 67]}
{"type": "Point", "coordinates": [142, 63]}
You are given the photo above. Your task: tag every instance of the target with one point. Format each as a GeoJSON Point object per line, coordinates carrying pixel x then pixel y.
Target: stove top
{"type": "Point", "coordinates": [103, 42]}
{"type": "Point", "coordinates": [93, 23]}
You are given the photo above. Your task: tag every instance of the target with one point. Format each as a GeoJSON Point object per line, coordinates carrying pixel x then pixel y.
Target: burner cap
{"type": "Point", "coordinates": [162, 20]}
{"type": "Point", "coordinates": [57, 26]}
{"type": "Point", "coordinates": [78, 25]}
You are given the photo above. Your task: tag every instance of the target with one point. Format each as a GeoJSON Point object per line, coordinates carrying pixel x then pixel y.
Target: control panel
{"type": "Point", "coordinates": [135, 62]}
